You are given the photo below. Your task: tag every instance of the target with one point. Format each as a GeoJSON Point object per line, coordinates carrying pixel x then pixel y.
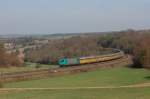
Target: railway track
{"type": "Point", "coordinates": [43, 73]}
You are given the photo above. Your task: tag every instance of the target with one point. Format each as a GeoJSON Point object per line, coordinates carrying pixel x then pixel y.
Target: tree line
{"type": "Point", "coordinates": [135, 43]}
{"type": "Point", "coordinates": [56, 49]}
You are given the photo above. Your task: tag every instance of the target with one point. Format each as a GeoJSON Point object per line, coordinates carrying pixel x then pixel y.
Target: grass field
{"type": "Point", "coordinates": [123, 93]}
{"type": "Point", "coordinates": [101, 78]}
{"type": "Point", "coordinates": [29, 67]}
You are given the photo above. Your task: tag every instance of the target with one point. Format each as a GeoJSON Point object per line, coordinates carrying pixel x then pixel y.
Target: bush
{"type": "Point", "coordinates": [38, 65]}
{"type": "Point", "coordinates": [7, 59]}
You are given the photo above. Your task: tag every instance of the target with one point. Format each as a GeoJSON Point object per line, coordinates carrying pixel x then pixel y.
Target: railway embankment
{"type": "Point", "coordinates": [43, 73]}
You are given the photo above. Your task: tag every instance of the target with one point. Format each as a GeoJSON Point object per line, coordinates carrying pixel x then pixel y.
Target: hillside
{"type": "Point", "coordinates": [102, 81]}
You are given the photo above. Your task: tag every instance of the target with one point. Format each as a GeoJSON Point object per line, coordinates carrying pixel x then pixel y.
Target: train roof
{"type": "Point", "coordinates": [85, 57]}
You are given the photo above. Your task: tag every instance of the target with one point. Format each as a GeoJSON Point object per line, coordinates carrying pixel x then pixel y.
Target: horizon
{"type": "Point", "coordinates": [42, 34]}
{"type": "Point", "coordinates": [53, 17]}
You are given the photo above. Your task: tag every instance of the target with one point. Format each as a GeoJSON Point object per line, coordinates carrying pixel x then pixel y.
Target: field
{"type": "Point", "coordinates": [122, 93]}
{"type": "Point", "coordinates": [27, 67]}
{"type": "Point", "coordinates": [113, 77]}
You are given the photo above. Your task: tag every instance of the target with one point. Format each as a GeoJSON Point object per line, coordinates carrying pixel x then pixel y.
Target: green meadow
{"type": "Point", "coordinates": [121, 76]}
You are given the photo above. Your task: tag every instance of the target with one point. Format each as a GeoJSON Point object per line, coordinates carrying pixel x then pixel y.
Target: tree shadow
{"type": "Point", "coordinates": [133, 66]}
{"type": "Point", "coordinates": [136, 65]}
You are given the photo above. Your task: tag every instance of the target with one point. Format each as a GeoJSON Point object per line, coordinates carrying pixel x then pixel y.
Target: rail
{"type": "Point", "coordinates": [43, 73]}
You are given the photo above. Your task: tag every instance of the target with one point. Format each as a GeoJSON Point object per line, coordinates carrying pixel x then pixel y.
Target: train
{"type": "Point", "coordinates": [91, 59]}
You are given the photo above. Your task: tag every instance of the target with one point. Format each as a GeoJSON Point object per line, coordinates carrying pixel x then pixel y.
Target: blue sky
{"type": "Point", "coordinates": [70, 16]}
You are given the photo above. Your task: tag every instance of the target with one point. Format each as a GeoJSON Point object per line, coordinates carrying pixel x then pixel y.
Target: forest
{"type": "Point", "coordinates": [70, 47]}
{"type": "Point", "coordinates": [135, 43]}
{"type": "Point", "coordinates": [131, 42]}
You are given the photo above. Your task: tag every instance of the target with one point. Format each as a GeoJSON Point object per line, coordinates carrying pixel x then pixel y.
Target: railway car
{"type": "Point", "coordinates": [92, 59]}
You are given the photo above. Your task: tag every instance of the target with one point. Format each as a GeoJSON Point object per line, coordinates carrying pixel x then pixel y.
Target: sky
{"type": "Point", "coordinates": [72, 16]}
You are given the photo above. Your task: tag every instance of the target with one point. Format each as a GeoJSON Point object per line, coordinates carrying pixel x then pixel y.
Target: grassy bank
{"type": "Point", "coordinates": [26, 67]}
{"type": "Point", "coordinates": [102, 77]}
{"type": "Point", "coordinates": [122, 93]}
